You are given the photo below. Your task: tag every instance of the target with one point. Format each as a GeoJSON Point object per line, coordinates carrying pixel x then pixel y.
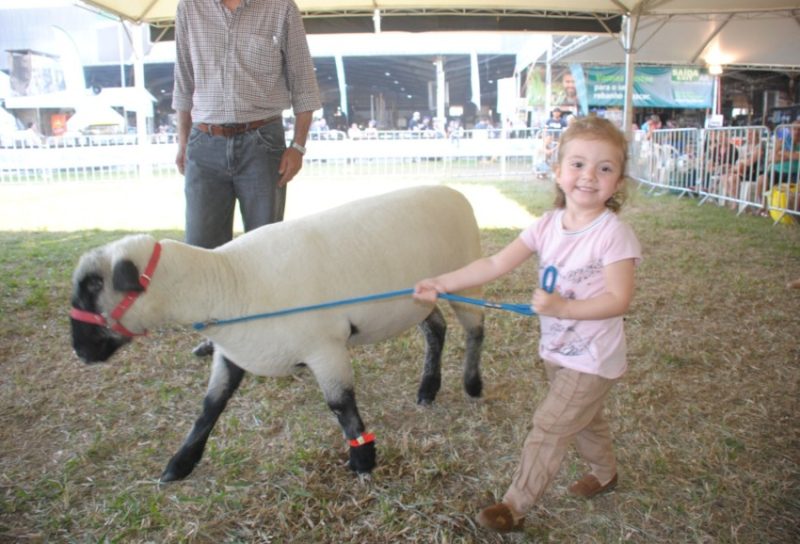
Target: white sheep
{"type": "Point", "coordinates": [371, 246]}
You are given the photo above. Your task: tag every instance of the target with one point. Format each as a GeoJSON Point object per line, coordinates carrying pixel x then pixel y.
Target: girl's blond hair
{"type": "Point", "coordinates": [593, 127]}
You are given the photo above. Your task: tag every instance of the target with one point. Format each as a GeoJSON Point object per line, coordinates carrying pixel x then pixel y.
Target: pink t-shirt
{"type": "Point", "coordinates": [590, 346]}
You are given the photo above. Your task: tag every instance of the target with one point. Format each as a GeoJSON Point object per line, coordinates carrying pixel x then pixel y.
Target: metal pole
{"type": "Point", "coordinates": [548, 80]}
{"type": "Point", "coordinates": [627, 112]}
{"type": "Point", "coordinates": [342, 85]}
{"type": "Point", "coordinates": [137, 42]}
{"type": "Point", "coordinates": [440, 93]}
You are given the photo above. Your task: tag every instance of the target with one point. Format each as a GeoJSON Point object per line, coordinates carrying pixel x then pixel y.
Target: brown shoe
{"type": "Point", "coordinates": [499, 518]}
{"type": "Point", "coordinates": [589, 486]}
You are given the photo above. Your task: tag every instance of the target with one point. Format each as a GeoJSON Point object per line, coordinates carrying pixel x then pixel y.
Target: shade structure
{"type": "Point", "coordinates": [763, 33]}
{"type": "Point", "coordinates": [100, 118]}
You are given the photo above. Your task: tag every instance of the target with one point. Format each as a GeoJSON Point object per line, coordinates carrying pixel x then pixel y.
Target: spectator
{"type": "Point", "coordinates": [720, 154]}
{"type": "Point", "coordinates": [785, 159]}
{"type": "Point", "coordinates": [652, 124]}
{"type": "Point", "coordinates": [339, 120]}
{"type": "Point", "coordinates": [371, 132]}
{"type": "Point", "coordinates": [320, 125]}
{"type": "Point", "coordinates": [415, 121]}
{"type": "Point", "coordinates": [748, 167]}
{"type": "Point", "coordinates": [354, 132]}
{"type": "Point", "coordinates": [555, 122]}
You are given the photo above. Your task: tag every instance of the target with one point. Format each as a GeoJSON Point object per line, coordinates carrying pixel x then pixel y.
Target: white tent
{"type": "Point", "coordinates": [489, 14]}
{"type": "Point", "coordinates": [762, 33]}
{"type": "Point", "coordinates": [95, 118]}
{"type": "Point", "coordinates": [633, 24]}
{"type": "Point", "coordinates": [760, 40]}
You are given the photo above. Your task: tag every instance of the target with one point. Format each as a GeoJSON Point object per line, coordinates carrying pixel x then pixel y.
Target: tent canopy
{"type": "Point", "coordinates": [624, 23]}
{"type": "Point", "coordinates": [163, 11]}
{"type": "Point", "coordinates": [96, 117]}
{"type": "Point", "coordinates": [740, 32]}
{"type": "Point", "coordinates": [757, 40]}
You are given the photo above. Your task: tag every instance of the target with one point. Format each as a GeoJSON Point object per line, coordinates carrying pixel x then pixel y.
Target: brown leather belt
{"type": "Point", "coordinates": [231, 130]}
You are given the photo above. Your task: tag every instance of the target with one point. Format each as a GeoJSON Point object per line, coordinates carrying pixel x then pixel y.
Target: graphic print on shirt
{"type": "Point", "coordinates": [564, 339]}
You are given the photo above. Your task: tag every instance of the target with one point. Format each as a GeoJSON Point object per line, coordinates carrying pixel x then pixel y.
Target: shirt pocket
{"type": "Point", "coordinates": [261, 59]}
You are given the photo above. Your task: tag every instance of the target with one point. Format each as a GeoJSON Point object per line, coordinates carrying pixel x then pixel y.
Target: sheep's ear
{"type": "Point", "coordinates": [126, 277]}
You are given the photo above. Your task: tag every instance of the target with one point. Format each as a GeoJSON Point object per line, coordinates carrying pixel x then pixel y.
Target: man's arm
{"type": "Point", "coordinates": [184, 127]}
{"type": "Point", "coordinates": [292, 160]}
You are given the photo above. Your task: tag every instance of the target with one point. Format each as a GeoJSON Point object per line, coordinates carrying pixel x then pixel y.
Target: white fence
{"type": "Point", "coordinates": [473, 153]}
{"type": "Point", "coordinates": [745, 168]}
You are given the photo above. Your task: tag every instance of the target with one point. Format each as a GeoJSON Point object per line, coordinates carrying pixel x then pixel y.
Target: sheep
{"type": "Point", "coordinates": [370, 246]}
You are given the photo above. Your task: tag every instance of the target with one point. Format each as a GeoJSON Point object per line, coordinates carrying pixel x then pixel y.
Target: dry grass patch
{"type": "Point", "coordinates": [705, 420]}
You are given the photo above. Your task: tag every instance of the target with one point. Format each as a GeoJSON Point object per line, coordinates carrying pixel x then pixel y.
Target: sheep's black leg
{"type": "Point", "coordinates": [473, 384]}
{"type": "Point", "coordinates": [362, 457]}
{"type": "Point", "coordinates": [225, 379]}
{"type": "Point", "coordinates": [434, 328]}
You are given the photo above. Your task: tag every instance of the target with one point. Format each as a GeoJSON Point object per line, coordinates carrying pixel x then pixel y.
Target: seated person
{"type": "Point", "coordinates": [749, 166]}
{"type": "Point", "coordinates": [785, 161]}
{"type": "Point", "coordinates": [719, 154]}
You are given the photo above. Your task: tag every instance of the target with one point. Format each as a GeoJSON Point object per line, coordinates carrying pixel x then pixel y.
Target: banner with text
{"type": "Point", "coordinates": [653, 86]}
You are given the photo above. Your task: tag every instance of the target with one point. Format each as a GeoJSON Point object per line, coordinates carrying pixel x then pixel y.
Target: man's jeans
{"type": "Point", "coordinates": [219, 171]}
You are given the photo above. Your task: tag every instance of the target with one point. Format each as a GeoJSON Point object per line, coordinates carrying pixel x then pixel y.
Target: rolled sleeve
{"type": "Point", "coordinates": [184, 75]}
{"type": "Point", "coordinates": [300, 74]}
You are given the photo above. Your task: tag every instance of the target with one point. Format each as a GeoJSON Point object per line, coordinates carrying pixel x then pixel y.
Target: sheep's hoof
{"type": "Point", "coordinates": [428, 389]}
{"type": "Point", "coordinates": [362, 458]}
{"type": "Point", "coordinates": [176, 470]}
{"type": "Point", "coordinates": [169, 476]}
{"type": "Point", "coordinates": [166, 478]}
{"type": "Point", "coordinates": [474, 386]}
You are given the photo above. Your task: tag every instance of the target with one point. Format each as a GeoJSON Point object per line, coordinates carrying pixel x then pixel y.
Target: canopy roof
{"type": "Point", "coordinates": [163, 11]}
{"type": "Point", "coordinates": [769, 40]}
{"type": "Point", "coordinates": [762, 33]}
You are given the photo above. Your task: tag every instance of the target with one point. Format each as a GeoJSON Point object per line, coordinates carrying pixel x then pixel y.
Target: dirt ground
{"type": "Point", "coordinates": [148, 204]}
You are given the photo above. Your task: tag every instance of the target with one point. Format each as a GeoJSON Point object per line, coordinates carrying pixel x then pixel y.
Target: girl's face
{"type": "Point", "coordinates": [589, 173]}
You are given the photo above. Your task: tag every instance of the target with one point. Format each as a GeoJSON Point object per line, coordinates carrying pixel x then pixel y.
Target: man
{"type": "Point", "coordinates": [567, 99]}
{"type": "Point", "coordinates": [239, 64]}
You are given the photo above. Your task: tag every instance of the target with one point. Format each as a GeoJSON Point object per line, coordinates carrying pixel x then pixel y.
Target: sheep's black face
{"type": "Point", "coordinates": [92, 343]}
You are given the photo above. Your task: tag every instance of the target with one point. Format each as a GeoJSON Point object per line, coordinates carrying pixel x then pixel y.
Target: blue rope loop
{"type": "Point", "coordinates": [548, 283]}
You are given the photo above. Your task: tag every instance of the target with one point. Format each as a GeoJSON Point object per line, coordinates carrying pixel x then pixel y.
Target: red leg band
{"type": "Point", "coordinates": [365, 438]}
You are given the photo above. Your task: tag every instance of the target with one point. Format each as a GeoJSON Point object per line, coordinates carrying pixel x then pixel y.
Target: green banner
{"type": "Point", "coordinates": [653, 86]}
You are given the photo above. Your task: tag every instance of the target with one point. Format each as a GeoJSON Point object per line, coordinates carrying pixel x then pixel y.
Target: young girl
{"type": "Point", "coordinates": [582, 340]}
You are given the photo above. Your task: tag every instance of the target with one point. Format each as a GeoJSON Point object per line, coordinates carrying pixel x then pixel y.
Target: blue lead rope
{"type": "Point", "coordinates": [548, 283]}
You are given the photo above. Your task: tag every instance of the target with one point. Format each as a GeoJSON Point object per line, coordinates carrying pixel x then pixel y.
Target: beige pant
{"type": "Point", "coordinates": [573, 409]}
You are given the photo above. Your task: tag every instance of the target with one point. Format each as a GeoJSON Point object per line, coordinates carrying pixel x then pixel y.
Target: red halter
{"type": "Point", "coordinates": [125, 303]}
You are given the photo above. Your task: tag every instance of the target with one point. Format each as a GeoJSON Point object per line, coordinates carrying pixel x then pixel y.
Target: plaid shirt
{"type": "Point", "coordinates": [243, 65]}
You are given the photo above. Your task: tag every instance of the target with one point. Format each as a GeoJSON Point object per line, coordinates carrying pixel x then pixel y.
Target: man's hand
{"type": "Point", "coordinates": [291, 163]}
{"type": "Point", "coordinates": [180, 159]}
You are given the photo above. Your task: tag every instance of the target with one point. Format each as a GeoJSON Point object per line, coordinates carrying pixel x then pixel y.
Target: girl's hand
{"type": "Point", "coordinates": [549, 304]}
{"type": "Point", "coordinates": [427, 290]}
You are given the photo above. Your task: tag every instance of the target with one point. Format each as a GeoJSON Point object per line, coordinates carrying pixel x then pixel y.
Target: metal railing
{"type": "Point", "coordinates": [471, 153]}
{"type": "Point", "coordinates": [744, 168]}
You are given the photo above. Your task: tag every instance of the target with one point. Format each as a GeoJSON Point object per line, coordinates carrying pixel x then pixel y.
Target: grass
{"type": "Point", "coordinates": [705, 420]}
